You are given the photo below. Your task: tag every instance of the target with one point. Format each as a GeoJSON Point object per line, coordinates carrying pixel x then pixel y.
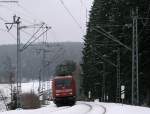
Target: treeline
{"type": "Point", "coordinates": [100, 54]}
{"type": "Point", "coordinates": [32, 60]}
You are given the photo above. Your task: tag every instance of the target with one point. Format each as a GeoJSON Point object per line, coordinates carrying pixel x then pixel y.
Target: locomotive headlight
{"type": "Point", "coordinates": [70, 93]}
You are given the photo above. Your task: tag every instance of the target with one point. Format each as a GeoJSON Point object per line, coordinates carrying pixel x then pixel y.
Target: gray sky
{"type": "Point", "coordinates": [51, 12]}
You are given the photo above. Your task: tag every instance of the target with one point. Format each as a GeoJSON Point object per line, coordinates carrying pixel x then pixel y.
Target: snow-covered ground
{"type": "Point", "coordinates": [26, 87]}
{"type": "Point", "coordinates": [5, 90]}
{"type": "Point", "coordinates": [85, 108]}
{"type": "Point", "coordinates": [112, 108]}
{"type": "Point", "coordinates": [80, 107]}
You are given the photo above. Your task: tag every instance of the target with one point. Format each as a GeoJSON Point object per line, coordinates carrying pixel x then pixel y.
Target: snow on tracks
{"type": "Point", "coordinates": [96, 108]}
{"type": "Point", "coordinates": [79, 108]}
{"type": "Point", "coordinates": [82, 108]}
{"type": "Point", "coordinates": [76, 109]}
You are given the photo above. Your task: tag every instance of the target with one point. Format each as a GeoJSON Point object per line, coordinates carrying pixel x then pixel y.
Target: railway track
{"type": "Point", "coordinates": [59, 109]}
{"type": "Point", "coordinates": [90, 107]}
{"type": "Point", "coordinates": [93, 107]}
{"type": "Point", "coordinates": [104, 108]}
{"type": "Point", "coordinates": [80, 108]}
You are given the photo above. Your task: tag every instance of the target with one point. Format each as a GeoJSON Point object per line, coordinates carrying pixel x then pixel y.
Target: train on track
{"type": "Point", "coordinates": [64, 90]}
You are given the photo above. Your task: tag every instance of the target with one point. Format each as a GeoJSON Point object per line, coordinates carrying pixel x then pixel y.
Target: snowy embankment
{"type": "Point", "coordinates": [5, 91]}
{"type": "Point", "coordinates": [85, 108]}
{"type": "Point", "coordinates": [26, 87]}
{"type": "Point", "coordinates": [112, 108]}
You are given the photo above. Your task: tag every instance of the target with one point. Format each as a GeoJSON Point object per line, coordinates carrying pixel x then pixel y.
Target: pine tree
{"type": "Point", "coordinates": [115, 17]}
{"type": "Point", "coordinates": [93, 51]}
{"type": "Point", "coordinates": [66, 68]}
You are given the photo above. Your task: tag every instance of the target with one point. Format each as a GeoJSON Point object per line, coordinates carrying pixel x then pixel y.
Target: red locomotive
{"type": "Point", "coordinates": [64, 90]}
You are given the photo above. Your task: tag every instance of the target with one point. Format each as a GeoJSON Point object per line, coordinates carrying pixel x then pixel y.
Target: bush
{"type": "Point", "coordinates": [13, 104]}
{"type": "Point", "coordinates": [30, 101]}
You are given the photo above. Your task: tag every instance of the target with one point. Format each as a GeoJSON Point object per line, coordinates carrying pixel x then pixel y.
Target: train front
{"type": "Point", "coordinates": [64, 90]}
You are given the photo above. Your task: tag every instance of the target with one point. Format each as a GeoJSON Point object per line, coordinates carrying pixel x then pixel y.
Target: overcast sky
{"type": "Point", "coordinates": [52, 12]}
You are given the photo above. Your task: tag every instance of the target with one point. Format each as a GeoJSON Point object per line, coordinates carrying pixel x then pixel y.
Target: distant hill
{"type": "Point", "coordinates": [32, 59]}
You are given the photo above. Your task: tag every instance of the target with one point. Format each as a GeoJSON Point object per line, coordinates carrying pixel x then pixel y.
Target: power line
{"type": "Point", "coordinates": [11, 33]}
{"type": "Point", "coordinates": [12, 10]}
{"type": "Point", "coordinates": [27, 45]}
{"type": "Point", "coordinates": [11, 1]}
{"type": "Point", "coordinates": [86, 10]}
{"type": "Point", "coordinates": [12, 36]}
{"type": "Point", "coordinates": [109, 36]}
{"type": "Point", "coordinates": [27, 33]}
{"type": "Point", "coordinates": [23, 13]}
{"type": "Point", "coordinates": [16, 20]}
{"type": "Point", "coordinates": [30, 22]}
{"type": "Point", "coordinates": [33, 35]}
{"type": "Point", "coordinates": [28, 12]}
{"type": "Point", "coordinates": [3, 19]}
{"type": "Point", "coordinates": [66, 8]}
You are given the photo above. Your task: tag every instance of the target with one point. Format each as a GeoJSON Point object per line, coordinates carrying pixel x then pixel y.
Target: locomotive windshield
{"type": "Point", "coordinates": [63, 83]}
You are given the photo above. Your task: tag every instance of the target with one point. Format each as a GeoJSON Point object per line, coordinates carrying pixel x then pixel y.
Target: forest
{"type": "Point", "coordinates": [108, 47]}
